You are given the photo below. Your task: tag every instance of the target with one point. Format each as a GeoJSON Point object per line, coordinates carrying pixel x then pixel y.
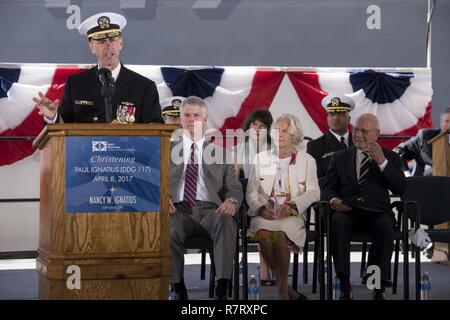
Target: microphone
{"type": "Point", "coordinates": [107, 91]}
{"type": "Point", "coordinates": [105, 77]}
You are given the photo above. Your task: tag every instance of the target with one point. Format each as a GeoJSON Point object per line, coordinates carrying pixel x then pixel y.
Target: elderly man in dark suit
{"type": "Point", "coordinates": [417, 148]}
{"type": "Point", "coordinates": [338, 107]}
{"type": "Point", "coordinates": [357, 186]}
{"type": "Point", "coordinates": [134, 98]}
{"type": "Point", "coordinates": [205, 194]}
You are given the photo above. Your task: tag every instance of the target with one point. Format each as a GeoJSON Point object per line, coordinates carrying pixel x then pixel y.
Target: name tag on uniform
{"type": "Point", "coordinates": [84, 102]}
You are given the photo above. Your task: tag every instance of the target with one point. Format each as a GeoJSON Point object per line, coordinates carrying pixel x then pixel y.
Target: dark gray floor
{"type": "Point", "coordinates": [22, 284]}
{"type": "Point", "coordinates": [439, 274]}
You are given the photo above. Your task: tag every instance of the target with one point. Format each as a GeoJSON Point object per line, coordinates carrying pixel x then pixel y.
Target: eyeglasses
{"type": "Point", "coordinates": [355, 130]}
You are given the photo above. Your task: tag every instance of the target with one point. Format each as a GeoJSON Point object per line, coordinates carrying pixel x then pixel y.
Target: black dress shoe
{"type": "Point", "coordinates": [378, 295]}
{"type": "Point", "coordinates": [180, 291]}
{"type": "Point", "coordinates": [221, 289]}
{"type": "Point", "coordinates": [346, 295]}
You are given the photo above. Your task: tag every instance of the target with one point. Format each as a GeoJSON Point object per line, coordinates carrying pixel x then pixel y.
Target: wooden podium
{"type": "Point", "coordinates": [441, 167]}
{"type": "Point", "coordinates": [120, 255]}
{"type": "Point", "coordinates": [441, 154]}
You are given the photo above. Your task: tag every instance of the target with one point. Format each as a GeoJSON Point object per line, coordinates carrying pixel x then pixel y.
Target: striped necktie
{"type": "Point", "coordinates": [191, 178]}
{"type": "Point", "coordinates": [364, 169]}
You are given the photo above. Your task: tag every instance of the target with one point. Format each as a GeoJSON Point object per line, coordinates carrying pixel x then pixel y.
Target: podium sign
{"type": "Point", "coordinates": [104, 211]}
{"type": "Point", "coordinates": [112, 174]}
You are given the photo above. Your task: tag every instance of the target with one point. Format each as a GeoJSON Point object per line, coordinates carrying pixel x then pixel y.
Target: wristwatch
{"type": "Point", "coordinates": [233, 200]}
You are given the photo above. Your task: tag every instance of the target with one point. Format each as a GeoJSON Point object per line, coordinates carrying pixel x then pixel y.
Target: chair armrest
{"type": "Point", "coordinates": [308, 217]}
{"type": "Point", "coordinates": [241, 217]}
{"type": "Point", "coordinates": [416, 215]}
{"type": "Point", "coordinates": [323, 208]}
{"type": "Point", "coordinates": [399, 206]}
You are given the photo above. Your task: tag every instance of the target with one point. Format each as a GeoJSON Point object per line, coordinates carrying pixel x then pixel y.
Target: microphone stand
{"type": "Point", "coordinates": [107, 91]}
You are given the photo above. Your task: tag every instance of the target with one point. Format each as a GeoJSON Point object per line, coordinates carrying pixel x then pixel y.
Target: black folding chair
{"type": "Point", "coordinates": [426, 204]}
{"type": "Point", "coordinates": [315, 236]}
{"type": "Point", "coordinates": [365, 238]}
{"type": "Point", "coordinates": [205, 244]}
{"type": "Point", "coordinates": [243, 223]}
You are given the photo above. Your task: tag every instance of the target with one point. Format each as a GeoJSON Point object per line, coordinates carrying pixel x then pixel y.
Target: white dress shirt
{"type": "Point", "coordinates": [115, 72]}
{"type": "Point", "coordinates": [338, 137]}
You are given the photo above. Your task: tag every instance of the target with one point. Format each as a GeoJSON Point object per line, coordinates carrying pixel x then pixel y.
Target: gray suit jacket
{"type": "Point", "coordinates": [220, 178]}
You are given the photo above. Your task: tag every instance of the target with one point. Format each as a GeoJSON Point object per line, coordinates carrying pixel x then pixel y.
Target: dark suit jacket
{"type": "Point", "coordinates": [417, 148]}
{"type": "Point", "coordinates": [221, 180]}
{"type": "Point", "coordinates": [322, 149]}
{"type": "Point", "coordinates": [82, 101]}
{"type": "Point", "coordinates": [341, 181]}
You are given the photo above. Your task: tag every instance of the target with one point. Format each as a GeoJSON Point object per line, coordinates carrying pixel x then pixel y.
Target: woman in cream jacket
{"type": "Point", "coordinates": [282, 185]}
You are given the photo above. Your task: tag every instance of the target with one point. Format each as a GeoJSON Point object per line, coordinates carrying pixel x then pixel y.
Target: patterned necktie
{"type": "Point", "coordinates": [191, 178]}
{"type": "Point", "coordinates": [364, 169]}
{"type": "Point", "coordinates": [343, 143]}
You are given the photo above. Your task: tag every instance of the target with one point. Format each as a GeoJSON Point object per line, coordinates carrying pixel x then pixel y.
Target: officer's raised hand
{"type": "Point", "coordinates": [47, 108]}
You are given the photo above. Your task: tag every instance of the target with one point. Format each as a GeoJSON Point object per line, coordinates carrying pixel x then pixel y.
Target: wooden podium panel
{"type": "Point", "coordinates": [120, 255]}
{"type": "Point", "coordinates": [441, 154]}
{"type": "Point", "coordinates": [118, 289]}
{"type": "Point", "coordinates": [441, 167]}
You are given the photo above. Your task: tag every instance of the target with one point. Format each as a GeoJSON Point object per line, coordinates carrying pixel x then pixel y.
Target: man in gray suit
{"type": "Point", "coordinates": [205, 194]}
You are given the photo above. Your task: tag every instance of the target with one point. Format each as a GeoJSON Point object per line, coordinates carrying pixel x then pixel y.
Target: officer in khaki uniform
{"type": "Point", "coordinates": [135, 97]}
